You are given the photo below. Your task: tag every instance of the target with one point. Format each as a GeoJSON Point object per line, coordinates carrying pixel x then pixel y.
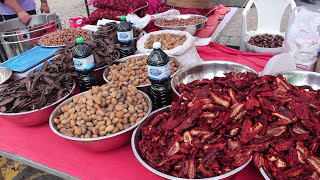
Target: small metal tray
{"type": "Point", "coordinates": [29, 59]}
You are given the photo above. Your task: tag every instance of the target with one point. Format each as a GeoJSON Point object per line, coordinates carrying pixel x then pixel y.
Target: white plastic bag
{"type": "Point", "coordinates": [302, 39]}
{"type": "Point", "coordinates": [279, 63]}
{"type": "Point", "coordinates": [143, 22]}
{"type": "Point", "coordinates": [186, 53]}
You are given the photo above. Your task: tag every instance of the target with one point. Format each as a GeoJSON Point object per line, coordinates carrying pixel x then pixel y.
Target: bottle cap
{"type": "Point", "coordinates": [123, 17]}
{"type": "Point", "coordinates": [80, 40]}
{"type": "Point", "coordinates": [156, 45]}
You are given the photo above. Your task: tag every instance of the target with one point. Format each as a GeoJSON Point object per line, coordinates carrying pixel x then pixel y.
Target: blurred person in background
{"type": "Point", "coordinates": [22, 9]}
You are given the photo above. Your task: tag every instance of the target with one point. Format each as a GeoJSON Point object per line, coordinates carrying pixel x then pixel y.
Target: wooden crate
{"type": "Point", "coordinates": [197, 4]}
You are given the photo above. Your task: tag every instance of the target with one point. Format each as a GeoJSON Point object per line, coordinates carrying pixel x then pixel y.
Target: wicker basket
{"type": "Point", "coordinates": [197, 4]}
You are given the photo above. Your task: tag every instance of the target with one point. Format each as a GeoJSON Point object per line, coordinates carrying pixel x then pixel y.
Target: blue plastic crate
{"type": "Point", "coordinates": [29, 59]}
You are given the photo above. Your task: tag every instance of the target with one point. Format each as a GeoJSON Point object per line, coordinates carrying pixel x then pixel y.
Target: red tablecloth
{"type": "Point", "coordinates": [43, 146]}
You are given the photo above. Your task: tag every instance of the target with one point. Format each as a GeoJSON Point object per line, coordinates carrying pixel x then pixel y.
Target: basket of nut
{"type": "Point", "coordinates": [173, 42]}
{"type": "Point", "coordinates": [264, 43]}
{"type": "Point", "coordinates": [102, 118]}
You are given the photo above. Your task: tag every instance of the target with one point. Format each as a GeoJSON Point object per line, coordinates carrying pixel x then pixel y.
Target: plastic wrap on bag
{"type": "Point", "coordinates": [302, 39]}
{"type": "Point", "coordinates": [186, 54]}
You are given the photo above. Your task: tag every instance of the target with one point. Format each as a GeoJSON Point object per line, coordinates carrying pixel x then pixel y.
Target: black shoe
{"type": "Point", "coordinates": [309, 1]}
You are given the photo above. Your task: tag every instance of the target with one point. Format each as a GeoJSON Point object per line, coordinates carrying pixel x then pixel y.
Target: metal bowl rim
{"type": "Point", "coordinates": [55, 103]}
{"type": "Point", "coordinates": [98, 138]}
{"type": "Point", "coordinates": [264, 174]}
{"type": "Point", "coordinates": [9, 75]}
{"type": "Point", "coordinates": [298, 72]}
{"type": "Point", "coordinates": [137, 155]}
{"type": "Point", "coordinates": [15, 32]}
{"type": "Point", "coordinates": [205, 63]}
{"type": "Point", "coordinates": [176, 17]}
{"type": "Point", "coordinates": [122, 60]}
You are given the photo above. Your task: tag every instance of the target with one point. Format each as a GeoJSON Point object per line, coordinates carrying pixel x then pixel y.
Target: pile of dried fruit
{"type": "Point", "coordinates": [227, 119]}
{"type": "Point", "coordinates": [104, 52]}
{"type": "Point", "coordinates": [101, 111]}
{"type": "Point", "coordinates": [267, 41]}
{"type": "Point", "coordinates": [37, 90]}
{"type": "Point", "coordinates": [168, 40]}
{"type": "Point", "coordinates": [181, 22]}
{"type": "Point", "coordinates": [134, 71]}
{"type": "Point", "coordinates": [109, 30]}
{"type": "Point", "coordinates": [63, 37]}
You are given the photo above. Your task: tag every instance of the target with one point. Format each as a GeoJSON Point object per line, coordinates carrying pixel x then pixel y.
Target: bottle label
{"type": "Point", "coordinates": [125, 36]}
{"type": "Point", "coordinates": [159, 73]}
{"type": "Point", "coordinates": [83, 64]}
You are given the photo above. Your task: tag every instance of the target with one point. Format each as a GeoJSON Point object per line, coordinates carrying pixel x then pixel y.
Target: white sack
{"type": "Point", "coordinates": [186, 54]}
{"type": "Point", "coordinates": [302, 39]}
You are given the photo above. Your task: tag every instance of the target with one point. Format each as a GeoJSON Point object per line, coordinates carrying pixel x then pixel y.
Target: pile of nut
{"type": "Point", "coordinates": [63, 37]}
{"type": "Point", "coordinates": [101, 111]}
{"type": "Point", "coordinates": [181, 22]}
{"type": "Point", "coordinates": [134, 71]}
{"type": "Point", "coordinates": [168, 40]}
{"type": "Point", "coordinates": [267, 41]}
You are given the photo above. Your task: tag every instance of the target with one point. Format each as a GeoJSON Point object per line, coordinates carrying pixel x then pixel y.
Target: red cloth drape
{"type": "Point", "coordinates": [40, 144]}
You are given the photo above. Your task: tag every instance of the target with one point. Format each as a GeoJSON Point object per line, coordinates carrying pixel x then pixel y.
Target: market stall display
{"type": "Point", "coordinates": [30, 101]}
{"type": "Point", "coordinates": [102, 118]}
{"type": "Point", "coordinates": [63, 37]}
{"type": "Point", "coordinates": [190, 23]}
{"type": "Point", "coordinates": [133, 70]}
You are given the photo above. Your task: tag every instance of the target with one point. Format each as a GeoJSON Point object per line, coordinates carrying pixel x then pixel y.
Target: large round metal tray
{"type": "Point", "coordinates": [206, 70]}
{"type": "Point", "coordinates": [35, 117]}
{"type": "Point", "coordinates": [192, 29]}
{"type": "Point", "coordinates": [137, 135]}
{"type": "Point", "coordinates": [104, 143]}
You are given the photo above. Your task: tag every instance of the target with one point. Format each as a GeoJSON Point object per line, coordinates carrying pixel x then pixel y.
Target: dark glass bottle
{"type": "Point", "coordinates": [84, 65]}
{"type": "Point", "coordinates": [125, 38]}
{"type": "Point", "coordinates": [159, 75]}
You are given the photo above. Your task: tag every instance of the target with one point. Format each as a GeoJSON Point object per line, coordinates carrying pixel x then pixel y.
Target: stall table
{"type": "Point", "coordinates": [39, 147]}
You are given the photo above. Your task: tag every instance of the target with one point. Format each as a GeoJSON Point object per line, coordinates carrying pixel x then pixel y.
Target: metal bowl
{"type": "Point", "coordinates": [106, 71]}
{"type": "Point", "coordinates": [137, 135]}
{"type": "Point", "coordinates": [34, 117]}
{"type": "Point", "coordinates": [260, 49]}
{"type": "Point", "coordinates": [192, 29]}
{"type": "Point", "coordinates": [5, 74]}
{"type": "Point", "coordinates": [104, 143]}
{"type": "Point", "coordinates": [206, 70]}
{"type": "Point", "coordinates": [300, 78]}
